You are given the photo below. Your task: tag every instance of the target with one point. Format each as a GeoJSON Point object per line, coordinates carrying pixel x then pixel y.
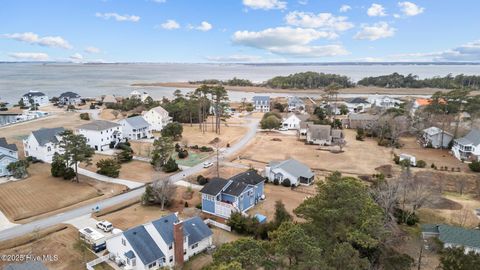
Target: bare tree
{"type": "Point", "coordinates": [461, 217]}
{"type": "Point", "coordinates": [387, 195]}
{"type": "Point", "coordinates": [161, 192]}
{"type": "Point", "coordinates": [115, 113]}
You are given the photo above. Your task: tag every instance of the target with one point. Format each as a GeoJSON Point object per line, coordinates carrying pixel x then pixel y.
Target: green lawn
{"type": "Point", "coordinates": [192, 159]}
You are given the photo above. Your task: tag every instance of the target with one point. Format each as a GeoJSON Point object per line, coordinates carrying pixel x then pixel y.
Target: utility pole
{"type": "Point", "coordinates": [218, 159]}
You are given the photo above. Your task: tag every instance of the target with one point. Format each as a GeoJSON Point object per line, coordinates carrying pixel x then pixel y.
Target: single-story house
{"type": "Point", "coordinates": [135, 128]}
{"type": "Point", "coordinates": [261, 103]}
{"type": "Point", "coordinates": [157, 117]}
{"type": "Point", "coordinates": [35, 97]}
{"type": "Point", "coordinates": [357, 105]}
{"type": "Point", "coordinates": [43, 143]}
{"type": "Point", "coordinates": [165, 242]}
{"type": "Point", "coordinates": [296, 172]}
{"type": "Point", "coordinates": [436, 138]}
{"type": "Point", "coordinates": [295, 104]}
{"type": "Point", "coordinates": [360, 120]}
{"type": "Point", "coordinates": [101, 135]}
{"type": "Point", "coordinates": [69, 98]}
{"type": "Point", "coordinates": [221, 197]}
{"type": "Point", "coordinates": [319, 134]}
{"type": "Point", "coordinates": [8, 154]}
{"type": "Point", "coordinates": [468, 147]}
{"type": "Point", "coordinates": [293, 120]}
{"type": "Point", "coordinates": [452, 236]}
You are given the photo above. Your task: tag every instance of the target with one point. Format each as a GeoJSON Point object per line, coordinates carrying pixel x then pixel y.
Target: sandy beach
{"type": "Point", "coordinates": [259, 89]}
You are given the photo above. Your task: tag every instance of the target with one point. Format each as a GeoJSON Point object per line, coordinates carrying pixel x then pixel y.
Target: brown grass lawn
{"type": "Point", "coordinates": [60, 240]}
{"type": "Point", "coordinates": [437, 156]}
{"type": "Point", "coordinates": [106, 114]}
{"type": "Point", "coordinates": [16, 133]}
{"type": "Point", "coordinates": [134, 170]}
{"type": "Point", "coordinates": [229, 134]}
{"type": "Point", "coordinates": [462, 217]}
{"type": "Point", "coordinates": [359, 157]}
{"type": "Point", "coordinates": [22, 201]}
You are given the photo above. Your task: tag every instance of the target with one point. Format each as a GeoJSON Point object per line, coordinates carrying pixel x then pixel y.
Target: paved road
{"type": "Point", "coordinates": [85, 210]}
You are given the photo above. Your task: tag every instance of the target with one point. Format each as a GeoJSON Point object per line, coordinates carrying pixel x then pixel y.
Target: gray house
{"type": "Point", "coordinates": [319, 134]}
{"type": "Point", "coordinates": [436, 138]}
{"type": "Point", "coordinates": [468, 147]}
{"type": "Point", "coordinates": [8, 154]}
{"type": "Point", "coordinates": [296, 172]}
{"type": "Point", "coordinates": [452, 236]}
{"type": "Point", "coordinates": [69, 98]}
{"type": "Point", "coordinates": [295, 104]}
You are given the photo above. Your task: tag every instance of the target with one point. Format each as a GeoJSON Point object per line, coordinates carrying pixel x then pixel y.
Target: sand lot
{"type": "Point", "coordinates": [60, 240]}
{"type": "Point", "coordinates": [22, 201]}
{"type": "Point", "coordinates": [16, 133]}
{"type": "Point", "coordinates": [465, 216]}
{"type": "Point", "coordinates": [358, 157]}
{"type": "Point", "coordinates": [106, 114]}
{"type": "Point", "coordinates": [229, 134]}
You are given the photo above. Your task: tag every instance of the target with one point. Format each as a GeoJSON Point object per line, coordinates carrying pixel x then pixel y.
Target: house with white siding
{"type": "Point", "coordinates": [467, 147]}
{"type": "Point", "coordinates": [35, 97]}
{"type": "Point", "coordinates": [165, 242]}
{"type": "Point", "coordinates": [261, 103]}
{"type": "Point", "coordinates": [43, 143]}
{"type": "Point", "coordinates": [8, 154]}
{"type": "Point", "coordinates": [436, 138]}
{"type": "Point", "coordinates": [296, 172]}
{"type": "Point", "coordinates": [135, 128]}
{"type": "Point", "coordinates": [101, 135]}
{"type": "Point", "coordinates": [293, 120]}
{"type": "Point", "coordinates": [70, 98]}
{"type": "Point", "coordinates": [454, 237]}
{"type": "Point", "coordinates": [157, 117]}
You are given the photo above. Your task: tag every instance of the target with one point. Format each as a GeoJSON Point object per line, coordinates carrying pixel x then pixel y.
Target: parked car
{"type": "Point", "coordinates": [207, 164]}
{"type": "Point", "coordinates": [283, 129]}
{"type": "Point", "coordinates": [105, 226]}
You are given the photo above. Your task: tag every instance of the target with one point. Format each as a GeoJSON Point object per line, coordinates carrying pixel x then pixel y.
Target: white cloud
{"type": "Point", "coordinates": [204, 26]}
{"type": "Point", "coordinates": [325, 21]}
{"type": "Point", "coordinates": [160, 1]}
{"type": "Point", "coordinates": [92, 49]}
{"type": "Point", "coordinates": [32, 38]}
{"type": "Point", "coordinates": [31, 56]}
{"type": "Point", "coordinates": [76, 57]}
{"type": "Point", "coordinates": [118, 17]}
{"type": "Point", "coordinates": [170, 25]}
{"type": "Point", "coordinates": [410, 9]}
{"type": "Point", "coordinates": [265, 4]}
{"type": "Point", "coordinates": [376, 10]}
{"type": "Point", "coordinates": [375, 31]}
{"type": "Point", "coordinates": [290, 41]}
{"type": "Point", "coordinates": [345, 8]}
{"type": "Point", "coordinates": [303, 2]}
{"type": "Point", "coordinates": [234, 58]}
{"type": "Point", "coordinates": [469, 52]}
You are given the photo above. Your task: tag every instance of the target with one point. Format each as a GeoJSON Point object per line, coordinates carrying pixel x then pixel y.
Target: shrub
{"type": "Point", "coordinates": [71, 107]}
{"type": "Point", "coordinates": [396, 159]}
{"type": "Point", "coordinates": [286, 182]}
{"type": "Point", "coordinates": [170, 166]}
{"type": "Point", "coordinates": [69, 174]}
{"type": "Point", "coordinates": [276, 182]}
{"type": "Point", "coordinates": [405, 217]}
{"type": "Point", "coordinates": [125, 155]}
{"type": "Point", "coordinates": [198, 206]}
{"type": "Point", "coordinates": [421, 164]}
{"type": "Point", "coordinates": [177, 147]}
{"type": "Point", "coordinates": [433, 166]}
{"type": "Point", "coordinates": [182, 153]}
{"type": "Point", "coordinates": [202, 180]}
{"type": "Point", "coordinates": [474, 166]}
{"type": "Point", "coordinates": [18, 169]}
{"type": "Point", "coordinates": [85, 116]}
{"type": "Point", "coordinates": [108, 167]}
{"type": "Point", "coordinates": [206, 149]}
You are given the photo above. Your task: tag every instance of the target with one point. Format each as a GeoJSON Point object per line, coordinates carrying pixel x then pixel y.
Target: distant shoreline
{"type": "Point", "coordinates": [259, 89]}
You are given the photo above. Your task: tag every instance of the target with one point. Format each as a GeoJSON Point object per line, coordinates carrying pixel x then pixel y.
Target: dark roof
{"type": "Point", "coordinates": [69, 95]}
{"type": "Point", "coordinates": [34, 94]}
{"type": "Point", "coordinates": [196, 230]}
{"type": "Point", "coordinates": [357, 100]}
{"type": "Point", "coordinates": [46, 135]}
{"type": "Point", "coordinates": [363, 117]}
{"type": "Point", "coordinates": [143, 244]}
{"type": "Point", "coordinates": [129, 254]}
{"type": "Point", "coordinates": [235, 188]}
{"type": "Point", "coordinates": [164, 227]}
{"type": "Point", "coordinates": [214, 186]}
{"type": "Point", "coordinates": [455, 235]}
{"type": "Point", "coordinates": [249, 177]}
{"type": "Point", "coordinates": [2, 156]}
{"type": "Point", "coordinates": [26, 266]}
{"type": "Point", "coordinates": [99, 125]}
{"type": "Point", "coordinates": [137, 122]}
{"type": "Point", "coordinates": [321, 132]}
{"type": "Point", "coordinates": [4, 144]}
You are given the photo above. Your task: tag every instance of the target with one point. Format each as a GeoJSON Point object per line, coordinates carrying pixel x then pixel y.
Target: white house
{"type": "Point", "coordinates": [357, 105]}
{"type": "Point", "coordinates": [35, 97]}
{"type": "Point", "coordinates": [43, 143]}
{"type": "Point", "coordinates": [295, 104]}
{"type": "Point", "coordinates": [293, 120]}
{"type": "Point", "coordinates": [101, 134]}
{"type": "Point", "coordinates": [384, 102]}
{"type": "Point", "coordinates": [69, 98]}
{"type": "Point", "coordinates": [296, 172]}
{"type": "Point", "coordinates": [8, 154]}
{"type": "Point", "coordinates": [433, 137]}
{"type": "Point", "coordinates": [165, 242]}
{"type": "Point", "coordinates": [135, 128]}
{"type": "Point", "coordinates": [452, 236]}
{"type": "Point", "coordinates": [468, 147]}
{"type": "Point", "coordinates": [136, 94]}
{"type": "Point", "coordinates": [261, 103]}
{"type": "Point", "coordinates": [157, 118]}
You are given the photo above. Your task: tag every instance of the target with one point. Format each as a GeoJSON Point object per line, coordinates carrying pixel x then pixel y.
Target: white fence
{"type": "Point", "coordinates": [218, 224]}
{"type": "Point", "coordinates": [99, 260]}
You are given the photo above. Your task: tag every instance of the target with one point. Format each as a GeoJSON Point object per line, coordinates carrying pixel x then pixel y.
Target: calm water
{"type": "Point", "coordinates": [98, 79]}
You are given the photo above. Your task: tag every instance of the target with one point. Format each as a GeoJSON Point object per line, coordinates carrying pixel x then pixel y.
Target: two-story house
{"type": "Point", "coordinates": [293, 120]}
{"type": "Point", "coordinates": [295, 104]}
{"type": "Point", "coordinates": [35, 98]}
{"type": "Point", "coordinates": [157, 118]}
{"type": "Point", "coordinates": [357, 105]}
{"type": "Point", "coordinates": [165, 242]}
{"type": "Point", "coordinates": [261, 103]}
{"type": "Point", "coordinates": [69, 98]}
{"type": "Point", "coordinates": [101, 135]}
{"type": "Point", "coordinates": [384, 102]}
{"type": "Point", "coordinates": [241, 192]}
{"type": "Point", "coordinates": [468, 147]}
{"type": "Point", "coordinates": [43, 143]}
{"type": "Point", "coordinates": [8, 154]}
{"type": "Point", "coordinates": [135, 128]}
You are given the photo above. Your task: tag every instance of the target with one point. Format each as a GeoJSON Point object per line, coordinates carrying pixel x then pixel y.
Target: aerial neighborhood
{"type": "Point", "coordinates": [208, 179]}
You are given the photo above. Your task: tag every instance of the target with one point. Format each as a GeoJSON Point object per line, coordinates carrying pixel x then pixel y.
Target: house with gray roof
{"type": "Point", "coordinates": [136, 128]}
{"type": "Point", "coordinates": [360, 120]}
{"type": "Point", "coordinates": [221, 197]}
{"type": "Point", "coordinates": [293, 120]}
{"type": "Point", "coordinates": [8, 154]}
{"type": "Point", "coordinates": [69, 98]}
{"type": "Point", "coordinates": [452, 236]}
{"type": "Point", "coordinates": [435, 137]}
{"type": "Point", "coordinates": [101, 135]}
{"type": "Point", "coordinates": [357, 104]}
{"type": "Point", "coordinates": [319, 134]}
{"type": "Point", "coordinates": [295, 104]}
{"type": "Point", "coordinates": [296, 172]}
{"type": "Point", "coordinates": [468, 147]}
{"type": "Point", "coordinates": [35, 98]}
{"type": "Point", "coordinates": [165, 242]}
{"type": "Point", "coordinates": [261, 103]}
{"type": "Point", "coordinates": [43, 143]}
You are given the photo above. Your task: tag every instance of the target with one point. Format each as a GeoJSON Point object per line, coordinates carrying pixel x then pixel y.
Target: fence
{"type": "Point", "coordinates": [90, 265]}
{"type": "Point", "coordinates": [218, 224]}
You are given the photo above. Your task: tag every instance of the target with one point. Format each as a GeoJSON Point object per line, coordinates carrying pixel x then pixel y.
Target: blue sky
{"type": "Point", "coordinates": [239, 30]}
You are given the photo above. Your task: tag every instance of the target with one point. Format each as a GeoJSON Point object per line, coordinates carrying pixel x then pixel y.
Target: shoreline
{"type": "Point", "coordinates": [261, 89]}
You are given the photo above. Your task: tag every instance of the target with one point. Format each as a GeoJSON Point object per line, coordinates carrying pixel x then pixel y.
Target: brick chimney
{"type": "Point", "coordinates": [178, 243]}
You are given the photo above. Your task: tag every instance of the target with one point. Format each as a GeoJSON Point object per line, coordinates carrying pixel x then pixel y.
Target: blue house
{"type": "Point", "coordinates": [261, 103]}
{"type": "Point", "coordinates": [221, 197]}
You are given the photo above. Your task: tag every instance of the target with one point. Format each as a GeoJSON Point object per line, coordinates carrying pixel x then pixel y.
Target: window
{"type": "Point", "coordinates": [124, 242]}
{"type": "Point", "coordinates": [194, 246]}
{"type": "Point", "coordinates": [152, 265]}
{"type": "Point", "coordinates": [171, 259]}
{"type": "Point", "coordinates": [170, 247]}
{"type": "Point", "coordinates": [49, 149]}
